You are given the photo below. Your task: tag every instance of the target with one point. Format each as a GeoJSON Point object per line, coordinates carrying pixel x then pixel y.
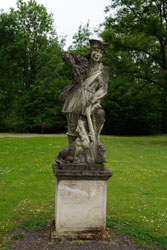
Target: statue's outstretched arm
{"type": "Point", "coordinates": [79, 65]}
{"type": "Point", "coordinates": [69, 58]}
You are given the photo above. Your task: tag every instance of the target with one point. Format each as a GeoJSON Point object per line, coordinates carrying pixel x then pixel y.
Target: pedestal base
{"type": "Point", "coordinates": [80, 208]}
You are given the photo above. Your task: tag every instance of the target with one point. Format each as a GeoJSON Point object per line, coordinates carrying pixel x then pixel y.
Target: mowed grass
{"type": "Point", "coordinates": [137, 192]}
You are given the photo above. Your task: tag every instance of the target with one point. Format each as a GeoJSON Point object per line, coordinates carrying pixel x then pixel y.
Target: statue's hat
{"type": "Point", "coordinates": [98, 44]}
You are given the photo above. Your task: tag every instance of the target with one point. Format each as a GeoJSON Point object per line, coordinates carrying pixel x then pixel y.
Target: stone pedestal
{"type": "Point", "coordinates": [80, 208]}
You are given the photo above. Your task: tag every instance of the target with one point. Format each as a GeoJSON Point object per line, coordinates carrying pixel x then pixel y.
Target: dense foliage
{"type": "Point", "coordinates": [32, 73]}
{"type": "Point", "coordinates": [137, 34]}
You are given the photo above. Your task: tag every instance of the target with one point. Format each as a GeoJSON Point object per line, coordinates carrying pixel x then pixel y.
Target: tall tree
{"type": "Point", "coordinates": [138, 32]}
{"type": "Point", "coordinates": [36, 26]}
{"type": "Point", "coordinates": [10, 68]}
{"type": "Point", "coordinates": [31, 69]}
{"type": "Point", "coordinates": [80, 43]}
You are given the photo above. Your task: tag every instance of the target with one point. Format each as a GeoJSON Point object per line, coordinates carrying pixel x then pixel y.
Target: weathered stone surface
{"type": "Point", "coordinates": [81, 104]}
{"type": "Point", "coordinates": [80, 205]}
{"type": "Point", "coordinates": [81, 174]}
{"type": "Point", "coordinates": [81, 166]}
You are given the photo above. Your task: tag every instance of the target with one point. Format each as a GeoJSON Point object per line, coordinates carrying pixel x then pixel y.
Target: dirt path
{"type": "Point", "coordinates": [2, 135]}
{"type": "Point", "coordinates": [40, 240]}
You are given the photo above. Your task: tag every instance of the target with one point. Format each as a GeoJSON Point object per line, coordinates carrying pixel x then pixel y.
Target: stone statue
{"type": "Point", "coordinates": [81, 104]}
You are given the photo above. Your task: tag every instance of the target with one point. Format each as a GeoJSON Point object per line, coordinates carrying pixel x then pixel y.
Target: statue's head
{"type": "Point", "coordinates": [94, 44]}
{"type": "Point", "coordinates": [97, 49]}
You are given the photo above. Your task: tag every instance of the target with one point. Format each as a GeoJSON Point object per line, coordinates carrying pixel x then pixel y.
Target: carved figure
{"type": "Point", "coordinates": [81, 104]}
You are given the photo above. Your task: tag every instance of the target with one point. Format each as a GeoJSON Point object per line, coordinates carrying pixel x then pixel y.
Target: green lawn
{"type": "Point", "coordinates": [137, 192]}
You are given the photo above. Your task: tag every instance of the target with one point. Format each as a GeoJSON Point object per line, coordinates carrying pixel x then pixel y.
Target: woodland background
{"type": "Point", "coordinates": [32, 73]}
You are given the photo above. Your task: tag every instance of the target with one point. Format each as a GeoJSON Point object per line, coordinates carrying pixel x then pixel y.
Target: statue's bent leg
{"type": "Point", "coordinates": [98, 118]}
{"type": "Point", "coordinates": [72, 122]}
{"type": "Point", "coordinates": [98, 121]}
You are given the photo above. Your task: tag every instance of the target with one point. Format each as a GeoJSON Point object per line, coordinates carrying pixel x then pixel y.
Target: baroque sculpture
{"type": "Point", "coordinates": [85, 115]}
{"type": "Point", "coordinates": [81, 177]}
